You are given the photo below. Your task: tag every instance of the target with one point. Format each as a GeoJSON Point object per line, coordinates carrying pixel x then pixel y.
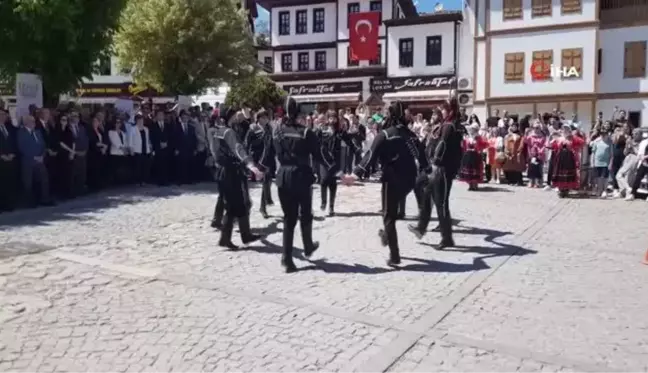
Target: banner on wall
{"type": "Point", "coordinates": [29, 91]}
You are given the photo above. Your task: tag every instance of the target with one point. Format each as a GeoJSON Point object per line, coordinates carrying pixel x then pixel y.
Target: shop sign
{"type": "Point", "coordinates": [123, 90]}
{"type": "Point", "coordinates": [414, 83]}
{"type": "Point", "coordinates": [323, 88]}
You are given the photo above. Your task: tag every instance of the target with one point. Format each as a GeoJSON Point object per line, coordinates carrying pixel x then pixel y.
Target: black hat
{"type": "Point", "coordinates": [290, 107]}
{"type": "Point", "coordinates": [397, 110]}
{"type": "Point", "coordinates": [226, 113]}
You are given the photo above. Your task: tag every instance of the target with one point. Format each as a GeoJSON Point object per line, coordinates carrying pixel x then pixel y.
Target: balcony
{"type": "Point", "coordinates": [623, 13]}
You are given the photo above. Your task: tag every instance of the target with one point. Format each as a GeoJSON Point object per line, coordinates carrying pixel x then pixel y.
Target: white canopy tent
{"type": "Point", "coordinates": [212, 96]}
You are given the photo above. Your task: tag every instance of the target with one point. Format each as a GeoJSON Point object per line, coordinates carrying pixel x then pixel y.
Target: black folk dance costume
{"type": "Point", "coordinates": [446, 162]}
{"type": "Point", "coordinates": [429, 144]}
{"type": "Point", "coordinates": [398, 151]}
{"type": "Point", "coordinates": [330, 144]}
{"type": "Point", "coordinates": [219, 209]}
{"type": "Point", "coordinates": [230, 158]}
{"type": "Point", "coordinates": [258, 141]}
{"type": "Point", "coordinates": [294, 146]}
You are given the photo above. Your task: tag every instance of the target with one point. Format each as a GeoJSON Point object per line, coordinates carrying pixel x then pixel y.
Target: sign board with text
{"type": "Point", "coordinates": [123, 90]}
{"type": "Point", "coordinates": [323, 88]}
{"type": "Point", "coordinates": [413, 83]}
{"type": "Point", "coordinates": [29, 92]}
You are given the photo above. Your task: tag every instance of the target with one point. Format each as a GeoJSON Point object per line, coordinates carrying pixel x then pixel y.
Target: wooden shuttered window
{"type": "Point", "coordinates": [512, 9]}
{"type": "Point", "coordinates": [541, 8]}
{"type": "Point", "coordinates": [570, 6]}
{"type": "Point", "coordinates": [572, 58]}
{"type": "Point", "coordinates": [541, 64]}
{"type": "Point", "coordinates": [514, 67]}
{"type": "Point", "coordinates": [634, 59]}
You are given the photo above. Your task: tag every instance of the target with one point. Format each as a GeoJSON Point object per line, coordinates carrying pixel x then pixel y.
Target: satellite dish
{"type": "Point", "coordinates": [438, 7]}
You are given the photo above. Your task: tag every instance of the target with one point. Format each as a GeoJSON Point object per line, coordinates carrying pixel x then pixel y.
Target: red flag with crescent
{"type": "Point", "coordinates": [363, 35]}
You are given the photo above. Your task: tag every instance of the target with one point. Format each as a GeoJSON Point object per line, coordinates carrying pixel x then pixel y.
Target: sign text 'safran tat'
{"type": "Point", "coordinates": [420, 83]}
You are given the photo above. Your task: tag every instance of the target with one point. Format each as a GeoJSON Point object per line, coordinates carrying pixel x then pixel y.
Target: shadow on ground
{"type": "Point", "coordinates": [78, 208]}
{"type": "Point", "coordinates": [421, 265]}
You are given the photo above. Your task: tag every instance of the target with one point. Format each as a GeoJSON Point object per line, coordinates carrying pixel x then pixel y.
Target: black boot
{"type": "Point", "coordinates": [394, 257]}
{"type": "Point", "coordinates": [332, 204]}
{"type": "Point", "coordinates": [287, 258]}
{"type": "Point", "coordinates": [444, 244]}
{"type": "Point", "coordinates": [226, 233]}
{"type": "Point", "coordinates": [323, 195]}
{"type": "Point", "coordinates": [262, 209]}
{"type": "Point", "coordinates": [401, 209]}
{"type": "Point", "coordinates": [392, 241]}
{"type": "Point", "coordinates": [217, 220]}
{"type": "Point", "coordinates": [306, 226]}
{"type": "Point", "coordinates": [416, 230]}
{"type": "Point", "coordinates": [246, 233]}
{"type": "Point", "coordinates": [383, 237]}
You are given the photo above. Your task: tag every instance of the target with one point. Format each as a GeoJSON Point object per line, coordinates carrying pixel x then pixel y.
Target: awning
{"type": "Point", "coordinates": [438, 95]}
{"type": "Point", "coordinates": [332, 97]}
{"type": "Point", "coordinates": [111, 100]}
{"type": "Point", "coordinates": [210, 99]}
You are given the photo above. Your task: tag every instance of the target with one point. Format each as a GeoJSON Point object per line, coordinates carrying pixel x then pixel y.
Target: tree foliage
{"type": "Point", "coordinates": [185, 46]}
{"type": "Point", "coordinates": [256, 91]}
{"type": "Point", "coordinates": [60, 40]}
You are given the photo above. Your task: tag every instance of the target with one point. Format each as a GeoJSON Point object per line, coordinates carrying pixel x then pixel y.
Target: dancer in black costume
{"type": "Point", "coordinates": [294, 145]}
{"type": "Point", "coordinates": [330, 141]}
{"type": "Point", "coordinates": [445, 165]}
{"type": "Point", "coordinates": [230, 158]}
{"type": "Point", "coordinates": [259, 144]}
{"type": "Point", "coordinates": [398, 150]}
{"type": "Point", "coordinates": [219, 209]}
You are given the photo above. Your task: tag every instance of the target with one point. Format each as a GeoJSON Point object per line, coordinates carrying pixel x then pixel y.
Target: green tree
{"type": "Point", "coordinates": [256, 91]}
{"type": "Point", "coordinates": [59, 40]}
{"type": "Point", "coordinates": [185, 46]}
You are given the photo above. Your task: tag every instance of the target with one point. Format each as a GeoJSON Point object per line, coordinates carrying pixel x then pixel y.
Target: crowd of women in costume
{"type": "Point", "coordinates": [554, 153]}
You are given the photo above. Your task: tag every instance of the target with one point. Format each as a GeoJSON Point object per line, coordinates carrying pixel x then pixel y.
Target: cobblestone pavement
{"type": "Point", "coordinates": [135, 282]}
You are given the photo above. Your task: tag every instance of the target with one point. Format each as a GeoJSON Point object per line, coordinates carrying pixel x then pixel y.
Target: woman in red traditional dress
{"type": "Point", "coordinates": [472, 164]}
{"type": "Point", "coordinates": [566, 175]}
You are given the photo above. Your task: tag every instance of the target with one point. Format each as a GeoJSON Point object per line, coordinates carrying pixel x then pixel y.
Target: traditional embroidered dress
{"type": "Point", "coordinates": [472, 165]}
{"type": "Point", "coordinates": [536, 146]}
{"type": "Point", "coordinates": [566, 173]}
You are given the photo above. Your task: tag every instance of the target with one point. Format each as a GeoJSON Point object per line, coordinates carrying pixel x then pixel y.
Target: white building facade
{"type": "Point", "coordinates": [308, 52]}
{"type": "Point", "coordinates": [423, 63]}
{"type": "Point", "coordinates": [517, 41]}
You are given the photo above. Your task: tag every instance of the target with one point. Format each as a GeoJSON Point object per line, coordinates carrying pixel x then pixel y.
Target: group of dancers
{"type": "Point", "coordinates": [426, 167]}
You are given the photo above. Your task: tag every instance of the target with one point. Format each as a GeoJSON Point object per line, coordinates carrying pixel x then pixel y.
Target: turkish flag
{"type": "Point", "coordinates": [363, 35]}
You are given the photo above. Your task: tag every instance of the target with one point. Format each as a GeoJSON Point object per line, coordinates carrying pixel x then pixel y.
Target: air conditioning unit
{"type": "Point", "coordinates": [465, 99]}
{"type": "Point", "coordinates": [465, 84]}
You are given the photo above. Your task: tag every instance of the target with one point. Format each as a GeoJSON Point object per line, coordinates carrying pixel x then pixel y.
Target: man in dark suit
{"type": "Point", "coordinates": [32, 148]}
{"type": "Point", "coordinates": [81, 142]}
{"type": "Point", "coordinates": [8, 158]}
{"type": "Point", "coordinates": [161, 133]}
{"type": "Point", "coordinates": [184, 149]}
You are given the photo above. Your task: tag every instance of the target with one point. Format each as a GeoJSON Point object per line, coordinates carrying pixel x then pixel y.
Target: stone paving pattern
{"type": "Point", "coordinates": [129, 281]}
